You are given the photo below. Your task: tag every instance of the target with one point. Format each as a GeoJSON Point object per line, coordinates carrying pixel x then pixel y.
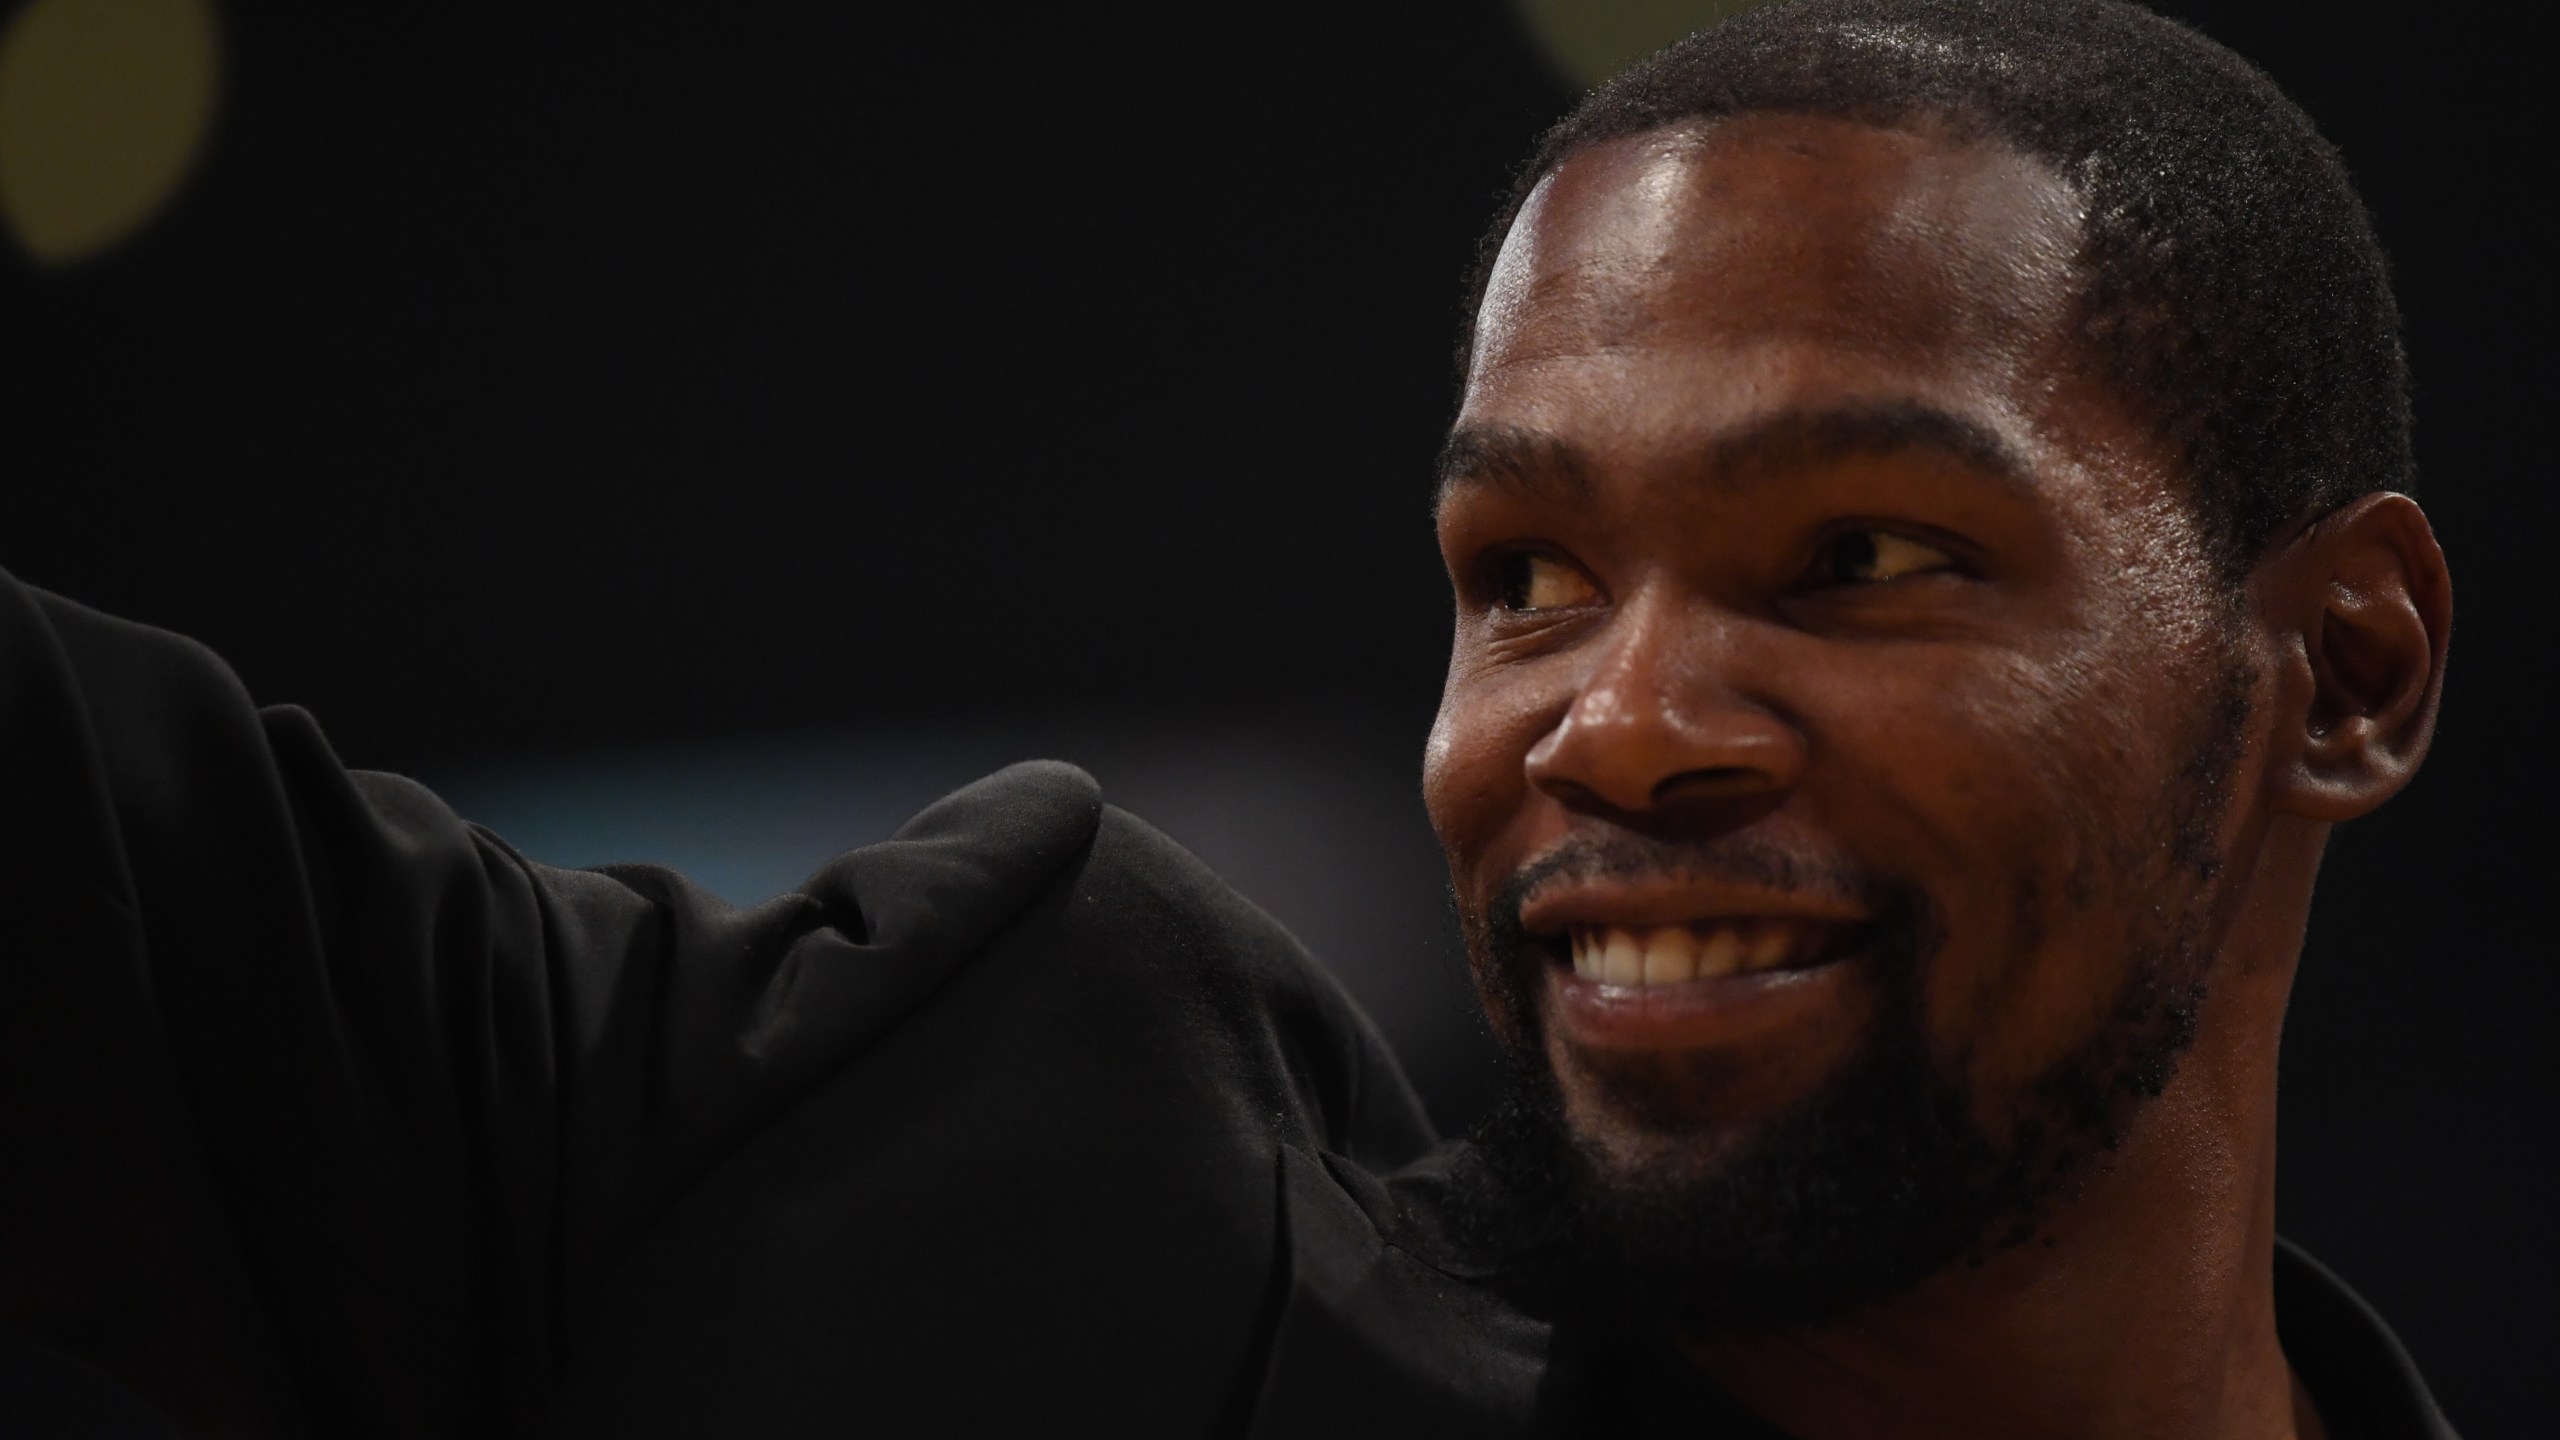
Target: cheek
{"type": "Point", "coordinates": [1475, 786]}
{"type": "Point", "coordinates": [1474, 780]}
{"type": "Point", "coordinates": [2066, 795]}
{"type": "Point", "coordinates": [1449, 790]}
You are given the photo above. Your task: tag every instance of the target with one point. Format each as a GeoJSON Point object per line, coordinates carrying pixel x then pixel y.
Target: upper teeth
{"type": "Point", "coordinates": [1678, 954]}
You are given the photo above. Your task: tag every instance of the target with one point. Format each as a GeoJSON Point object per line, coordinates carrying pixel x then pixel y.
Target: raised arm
{"type": "Point", "coordinates": [319, 1102]}
{"type": "Point", "coordinates": [325, 1112]}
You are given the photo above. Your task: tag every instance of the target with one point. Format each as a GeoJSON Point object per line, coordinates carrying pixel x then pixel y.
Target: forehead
{"type": "Point", "coordinates": [1706, 268]}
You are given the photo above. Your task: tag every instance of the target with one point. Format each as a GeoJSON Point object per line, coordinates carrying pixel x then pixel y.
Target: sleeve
{"type": "Point", "coordinates": [322, 1111]}
{"type": "Point", "coordinates": [1054, 1201]}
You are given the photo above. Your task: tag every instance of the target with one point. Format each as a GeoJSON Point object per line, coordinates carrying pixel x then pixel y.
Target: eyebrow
{"type": "Point", "coordinates": [1547, 467]}
{"type": "Point", "coordinates": [1507, 457]}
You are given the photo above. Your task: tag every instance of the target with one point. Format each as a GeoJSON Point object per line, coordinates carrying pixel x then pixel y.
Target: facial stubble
{"type": "Point", "coordinates": [1888, 1171]}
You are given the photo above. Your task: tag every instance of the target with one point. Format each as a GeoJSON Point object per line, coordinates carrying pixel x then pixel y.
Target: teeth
{"type": "Point", "coordinates": [1621, 958]}
{"type": "Point", "coordinates": [1670, 957]}
{"type": "Point", "coordinates": [1769, 946]}
{"type": "Point", "coordinates": [1721, 953]}
{"type": "Point", "coordinates": [1678, 954]}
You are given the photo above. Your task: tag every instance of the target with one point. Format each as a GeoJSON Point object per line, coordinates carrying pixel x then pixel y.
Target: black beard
{"type": "Point", "coordinates": [1882, 1177]}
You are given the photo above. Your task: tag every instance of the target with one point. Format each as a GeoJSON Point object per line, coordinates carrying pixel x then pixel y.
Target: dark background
{"type": "Point", "coordinates": [654, 421]}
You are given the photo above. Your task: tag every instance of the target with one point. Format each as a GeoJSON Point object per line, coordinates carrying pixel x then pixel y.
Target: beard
{"type": "Point", "coordinates": [1883, 1175]}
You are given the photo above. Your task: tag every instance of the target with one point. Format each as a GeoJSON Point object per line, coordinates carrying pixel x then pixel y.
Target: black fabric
{"type": "Point", "coordinates": [1379, 1334]}
{"type": "Point", "coordinates": [328, 1114]}
{"type": "Point", "coordinates": [324, 1113]}
{"type": "Point", "coordinates": [2363, 1383]}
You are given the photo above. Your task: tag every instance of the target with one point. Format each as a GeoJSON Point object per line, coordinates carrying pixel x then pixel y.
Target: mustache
{"type": "Point", "coordinates": [1733, 859]}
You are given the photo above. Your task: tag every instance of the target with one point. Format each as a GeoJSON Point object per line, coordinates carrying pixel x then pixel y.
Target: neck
{"type": "Point", "coordinates": [2144, 1308]}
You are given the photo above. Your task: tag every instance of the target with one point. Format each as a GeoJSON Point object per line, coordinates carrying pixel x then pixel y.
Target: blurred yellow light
{"type": "Point", "coordinates": [103, 106]}
{"type": "Point", "coordinates": [1592, 40]}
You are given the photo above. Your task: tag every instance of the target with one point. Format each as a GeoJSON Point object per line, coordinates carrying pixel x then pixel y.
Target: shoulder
{"type": "Point", "coordinates": [1084, 920]}
{"type": "Point", "coordinates": [1063, 1166]}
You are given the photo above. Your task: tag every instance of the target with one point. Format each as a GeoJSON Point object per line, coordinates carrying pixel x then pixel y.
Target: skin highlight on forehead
{"type": "Point", "coordinates": [1931, 243]}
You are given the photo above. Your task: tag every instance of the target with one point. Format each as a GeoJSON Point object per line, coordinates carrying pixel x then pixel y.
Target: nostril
{"type": "Point", "coordinates": [1573, 793]}
{"type": "Point", "coordinates": [1719, 782]}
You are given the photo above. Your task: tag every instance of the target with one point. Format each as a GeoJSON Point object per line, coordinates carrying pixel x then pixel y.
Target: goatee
{"type": "Point", "coordinates": [1882, 1176]}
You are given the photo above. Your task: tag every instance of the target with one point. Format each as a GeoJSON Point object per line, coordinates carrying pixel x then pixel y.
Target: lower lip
{"type": "Point", "coordinates": [1700, 1015]}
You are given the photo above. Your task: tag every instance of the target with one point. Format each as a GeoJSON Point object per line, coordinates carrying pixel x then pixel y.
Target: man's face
{"type": "Point", "coordinates": [1842, 700]}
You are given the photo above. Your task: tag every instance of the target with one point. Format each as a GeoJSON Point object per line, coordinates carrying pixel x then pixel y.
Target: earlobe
{"type": "Point", "coordinates": [2364, 608]}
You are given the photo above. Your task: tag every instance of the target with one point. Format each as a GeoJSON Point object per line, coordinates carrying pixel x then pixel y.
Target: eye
{"type": "Point", "coordinates": [1531, 582]}
{"type": "Point", "coordinates": [1869, 556]}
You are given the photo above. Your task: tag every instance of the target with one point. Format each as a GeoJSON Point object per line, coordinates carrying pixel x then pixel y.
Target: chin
{"type": "Point", "coordinates": [1626, 1151]}
{"type": "Point", "coordinates": [1682, 1110]}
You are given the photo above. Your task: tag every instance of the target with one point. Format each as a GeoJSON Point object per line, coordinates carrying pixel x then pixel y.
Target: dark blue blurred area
{"type": "Point", "coordinates": [950, 384]}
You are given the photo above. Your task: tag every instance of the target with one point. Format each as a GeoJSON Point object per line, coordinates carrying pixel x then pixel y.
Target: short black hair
{"type": "Point", "coordinates": [2233, 288]}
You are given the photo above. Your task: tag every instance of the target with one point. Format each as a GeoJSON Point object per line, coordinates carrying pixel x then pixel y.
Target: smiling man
{"type": "Point", "coordinates": [1928, 524]}
{"type": "Point", "coordinates": [1929, 576]}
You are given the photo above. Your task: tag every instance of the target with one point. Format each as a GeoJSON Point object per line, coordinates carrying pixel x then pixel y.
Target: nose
{"type": "Point", "coordinates": [1657, 723]}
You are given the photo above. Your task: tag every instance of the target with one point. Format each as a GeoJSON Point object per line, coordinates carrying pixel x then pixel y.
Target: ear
{"type": "Point", "coordinates": [2359, 609]}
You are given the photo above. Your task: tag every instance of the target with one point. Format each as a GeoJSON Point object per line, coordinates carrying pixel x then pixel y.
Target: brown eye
{"type": "Point", "coordinates": [1541, 582]}
{"type": "Point", "coordinates": [1868, 556]}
